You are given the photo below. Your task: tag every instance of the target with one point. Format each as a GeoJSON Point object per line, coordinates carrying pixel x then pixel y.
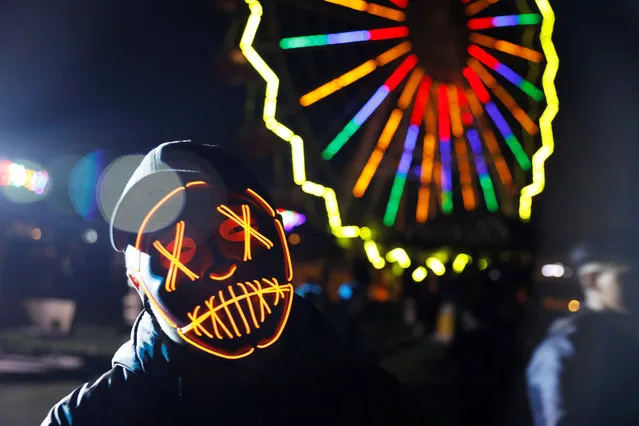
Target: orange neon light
{"type": "Point", "coordinates": [196, 183]}
{"type": "Point", "coordinates": [428, 158]}
{"type": "Point", "coordinates": [246, 226]}
{"type": "Point", "coordinates": [372, 8]}
{"type": "Point", "coordinates": [520, 115]}
{"type": "Point", "coordinates": [174, 258]}
{"type": "Point", "coordinates": [283, 321]}
{"type": "Point", "coordinates": [506, 47]}
{"type": "Point", "coordinates": [240, 310]}
{"type": "Point", "coordinates": [479, 5]}
{"type": "Point", "coordinates": [261, 201]}
{"type": "Point", "coordinates": [355, 74]}
{"type": "Point", "coordinates": [216, 305]}
{"type": "Point", "coordinates": [141, 284]}
{"type": "Point", "coordinates": [151, 212]}
{"type": "Point", "coordinates": [287, 252]}
{"type": "Point", "coordinates": [490, 140]}
{"type": "Point", "coordinates": [463, 164]}
{"type": "Point", "coordinates": [256, 323]}
{"type": "Point", "coordinates": [227, 274]}
{"type": "Point", "coordinates": [246, 216]}
{"type": "Point", "coordinates": [376, 157]}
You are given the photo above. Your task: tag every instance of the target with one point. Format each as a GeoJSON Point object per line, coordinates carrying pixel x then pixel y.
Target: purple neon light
{"type": "Point", "coordinates": [348, 37]}
{"type": "Point", "coordinates": [409, 146]}
{"type": "Point", "coordinates": [475, 145]}
{"type": "Point", "coordinates": [499, 119]}
{"type": "Point", "coordinates": [372, 104]}
{"type": "Point", "coordinates": [446, 156]}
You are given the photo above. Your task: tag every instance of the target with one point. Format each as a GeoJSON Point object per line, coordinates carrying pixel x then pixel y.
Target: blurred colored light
{"type": "Point", "coordinates": [83, 184]}
{"type": "Point", "coordinates": [90, 236]}
{"type": "Point", "coordinates": [294, 239]}
{"type": "Point", "coordinates": [291, 219]}
{"type": "Point", "coordinates": [420, 274]}
{"type": "Point", "coordinates": [574, 305]}
{"type": "Point", "coordinates": [17, 175]}
{"type": "Point", "coordinates": [36, 233]}
{"type": "Point", "coordinates": [345, 292]}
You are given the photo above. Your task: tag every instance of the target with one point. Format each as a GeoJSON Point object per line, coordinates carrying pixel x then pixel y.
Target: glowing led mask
{"type": "Point", "coordinates": [220, 273]}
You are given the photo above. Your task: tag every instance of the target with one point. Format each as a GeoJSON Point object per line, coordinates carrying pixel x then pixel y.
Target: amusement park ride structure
{"type": "Point", "coordinates": [435, 107]}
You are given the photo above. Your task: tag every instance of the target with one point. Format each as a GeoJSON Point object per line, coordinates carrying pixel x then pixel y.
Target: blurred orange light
{"type": "Point", "coordinates": [294, 239]}
{"type": "Point", "coordinates": [36, 233]}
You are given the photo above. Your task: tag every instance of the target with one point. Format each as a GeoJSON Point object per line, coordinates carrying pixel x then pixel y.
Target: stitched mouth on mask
{"type": "Point", "coordinates": [239, 309]}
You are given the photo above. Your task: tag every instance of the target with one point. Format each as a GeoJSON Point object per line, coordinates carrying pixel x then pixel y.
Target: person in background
{"type": "Point", "coordinates": [586, 371]}
{"type": "Point", "coordinates": [222, 339]}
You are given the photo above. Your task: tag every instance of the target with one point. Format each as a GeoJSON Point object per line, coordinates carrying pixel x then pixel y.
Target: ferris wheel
{"type": "Point", "coordinates": [433, 106]}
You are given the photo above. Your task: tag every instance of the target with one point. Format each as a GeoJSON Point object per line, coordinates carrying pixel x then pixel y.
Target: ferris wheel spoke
{"type": "Point", "coordinates": [355, 74]}
{"type": "Point", "coordinates": [485, 181]}
{"type": "Point", "coordinates": [372, 9]}
{"type": "Point", "coordinates": [506, 47]}
{"type": "Point", "coordinates": [493, 63]}
{"type": "Point", "coordinates": [504, 21]}
{"type": "Point", "coordinates": [400, 3]}
{"type": "Point", "coordinates": [406, 160]}
{"type": "Point", "coordinates": [463, 165]}
{"type": "Point", "coordinates": [445, 150]}
{"type": "Point", "coordinates": [385, 138]}
{"type": "Point", "coordinates": [465, 175]}
{"type": "Point", "coordinates": [479, 5]}
{"type": "Point", "coordinates": [371, 105]}
{"type": "Point", "coordinates": [428, 165]}
{"type": "Point", "coordinates": [520, 115]}
{"type": "Point", "coordinates": [498, 119]}
{"type": "Point", "coordinates": [491, 142]}
{"type": "Point", "coordinates": [317, 40]}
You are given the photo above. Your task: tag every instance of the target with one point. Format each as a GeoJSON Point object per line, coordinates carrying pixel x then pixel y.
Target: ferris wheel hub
{"type": "Point", "coordinates": [440, 37]}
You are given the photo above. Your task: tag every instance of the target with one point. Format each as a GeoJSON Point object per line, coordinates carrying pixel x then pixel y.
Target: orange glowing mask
{"type": "Point", "coordinates": [220, 273]}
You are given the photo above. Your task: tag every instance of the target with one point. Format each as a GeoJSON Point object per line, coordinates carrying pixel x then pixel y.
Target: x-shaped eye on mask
{"type": "Point", "coordinates": [174, 258]}
{"type": "Point", "coordinates": [249, 232]}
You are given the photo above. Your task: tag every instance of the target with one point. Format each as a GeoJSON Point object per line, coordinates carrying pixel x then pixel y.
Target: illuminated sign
{"type": "Point", "coordinates": [17, 175]}
{"type": "Point", "coordinates": [291, 219]}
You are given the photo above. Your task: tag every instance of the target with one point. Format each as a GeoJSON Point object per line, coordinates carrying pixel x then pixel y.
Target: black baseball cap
{"type": "Point", "coordinates": [615, 245]}
{"type": "Point", "coordinates": [167, 167]}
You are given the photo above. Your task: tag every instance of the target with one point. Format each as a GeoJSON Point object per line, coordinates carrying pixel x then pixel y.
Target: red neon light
{"type": "Point", "coordinates": [476, 85]}
{"type": "Point", "coordinates": [401, 72]}
{"type": "Point", "coordinates": [444, 118]}
{"type": "Point", "coordinates": [467, 117]}
{"type": "Point", "coordinates": [420, 100]}
{"type": "Point", "coordinates": [480, 23]}
{"type": "Point", "coordinates": [484, 56]}
{"type": "Point", "coordinates": [400, 3]}
{"type": "Point", "coordinates": [386, 33]}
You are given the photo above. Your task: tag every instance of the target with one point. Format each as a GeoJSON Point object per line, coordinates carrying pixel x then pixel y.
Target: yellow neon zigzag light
{"type": "Point", "coordinates": [546, 119]}
{"type": "Point", "coordinates": [327, 193]}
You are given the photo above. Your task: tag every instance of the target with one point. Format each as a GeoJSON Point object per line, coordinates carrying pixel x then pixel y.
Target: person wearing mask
{"type": "Point", "coordinates": [586, 371]}
{"type": "Point", "coordinates": [222, 338]}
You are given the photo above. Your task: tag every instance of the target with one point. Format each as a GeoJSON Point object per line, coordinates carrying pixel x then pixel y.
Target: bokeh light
{"type": "Point", "coordinates": [83, 184]}
{"type": "Point", "coordinates": [36, 234]}
{"type": "Point", "coordinates": [113, 181]}
{"type": "Point", "coordinates": [90, 236]}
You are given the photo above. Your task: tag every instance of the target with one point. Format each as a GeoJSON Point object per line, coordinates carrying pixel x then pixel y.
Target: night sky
{"type": "Point", "coordinates": [126, 75]}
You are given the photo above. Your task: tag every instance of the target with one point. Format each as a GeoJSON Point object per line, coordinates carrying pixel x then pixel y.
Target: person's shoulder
{"type": "Point", "coordinates": [558, 346]}
{"type": "Point", "coordinates": [113, 398]}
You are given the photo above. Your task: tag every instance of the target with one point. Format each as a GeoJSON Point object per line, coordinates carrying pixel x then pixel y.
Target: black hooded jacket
{"type": "Point", "coordinates": [156, 382]}
{"type": "Point", "coordinates": [586, 372]}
